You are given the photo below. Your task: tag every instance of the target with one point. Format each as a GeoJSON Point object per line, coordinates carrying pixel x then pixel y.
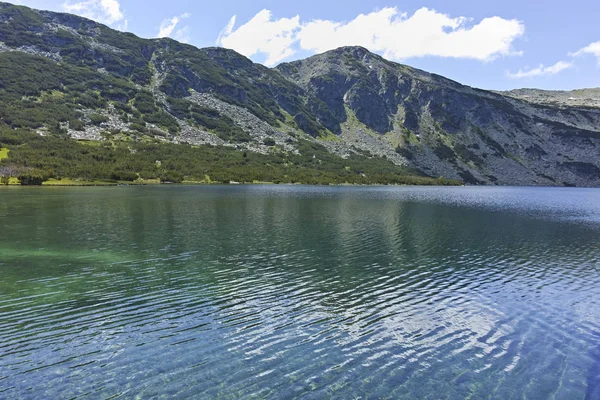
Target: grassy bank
{"type": "Point", "coordinates": [63, 161]}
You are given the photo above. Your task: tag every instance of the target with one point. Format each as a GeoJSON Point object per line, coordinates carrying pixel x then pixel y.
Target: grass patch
{"type": "Point", "coordinates": [328, 136]}
{"type": "Point", "coordinates": [77, 182]}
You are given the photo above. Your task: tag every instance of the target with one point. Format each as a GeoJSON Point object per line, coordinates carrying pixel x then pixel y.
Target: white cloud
{"type": "Point", "coordinates": [387, 31]}
{"type": "Point", "coordinates": [167, 28]}
{"type": "Point", "coordinates": [182, 35]}
{"type": "Point", "coordinates": [593, 49]}
{"type": "Point", "coordinates": [541, 70]}
{"type": "Point", "coordinates": [227, 30]}
{"type": "Point", "coordinates": [104, 11]}
{"type": "Point", "coordinates": [262, 35]}
{"type": "Point", "coordinates": [425, 33]}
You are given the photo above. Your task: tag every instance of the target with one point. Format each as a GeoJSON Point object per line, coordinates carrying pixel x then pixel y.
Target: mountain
{"type": "Point", "coordinates": [445, 128]}
{"type": "Point", "coordinates": [346, 115]}
{"type": "Point", "coordinates": [558, 98]}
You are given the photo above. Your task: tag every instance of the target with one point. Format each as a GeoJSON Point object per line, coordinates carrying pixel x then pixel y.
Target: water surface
{"type": "Point", "coordinates": [299, 292]}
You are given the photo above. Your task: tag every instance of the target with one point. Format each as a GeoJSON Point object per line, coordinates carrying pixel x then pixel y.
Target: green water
{"type": "Point", "coordinates": [299, 292]}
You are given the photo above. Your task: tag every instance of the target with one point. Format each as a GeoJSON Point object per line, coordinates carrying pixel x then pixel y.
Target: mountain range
{"type": "Point", "coordinates": [64, 76]}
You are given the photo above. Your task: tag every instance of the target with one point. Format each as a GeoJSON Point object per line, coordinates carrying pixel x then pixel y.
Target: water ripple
{"type": "Point", "coordinates": [290, 293]}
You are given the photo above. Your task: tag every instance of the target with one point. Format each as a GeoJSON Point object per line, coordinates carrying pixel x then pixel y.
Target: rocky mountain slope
{"type": "Point", "coordinates": [445, 128]}
{"type": "Point", "coordinates": [65, 75]}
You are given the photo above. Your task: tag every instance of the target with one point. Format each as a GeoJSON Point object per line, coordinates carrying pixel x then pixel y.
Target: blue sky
{"type": "Point", "coordinates": [482, 43]}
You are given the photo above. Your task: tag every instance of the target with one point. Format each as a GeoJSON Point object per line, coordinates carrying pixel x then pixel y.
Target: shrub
{"type": "Point", "coordinates": [124, 176]}
{"type": "Point", "coordinates": [77, 125]}
{"type": "Point", "coordinates": [138, 127]}
{"type": "Point", "coordinates": [171, 177]}
{"type": "Point", "coordinates": [32, 177]}
{"type": "Point", "coordinates": [98, 119]}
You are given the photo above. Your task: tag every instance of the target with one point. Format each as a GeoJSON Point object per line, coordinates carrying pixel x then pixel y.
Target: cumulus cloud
{"type": "Point", "coordinates": [167, 28]}
{"type": "Point", "coordinates": [394, 34]}
{"type": "Point", "coordinates": [593, 49]}
{"type": "Point", "coordinates": [425, 33]}
{"type": "Point", "coordinates": [104, 11]}
{"type": "Point", "coordinates": [541, 70]}
{"type": "Point", "coordinates": [262, 34]}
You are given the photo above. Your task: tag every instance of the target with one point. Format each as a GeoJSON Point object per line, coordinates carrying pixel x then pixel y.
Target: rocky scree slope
{"type": "Point", "coordinates": [63, 74]}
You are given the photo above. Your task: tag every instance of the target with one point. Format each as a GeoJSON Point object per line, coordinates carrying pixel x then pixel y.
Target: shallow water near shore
{"type": "Point", "coordinates": [231, 292]}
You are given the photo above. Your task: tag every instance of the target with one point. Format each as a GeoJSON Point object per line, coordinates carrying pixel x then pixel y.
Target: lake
{"type": "Point", "coordinates": [282, 292]}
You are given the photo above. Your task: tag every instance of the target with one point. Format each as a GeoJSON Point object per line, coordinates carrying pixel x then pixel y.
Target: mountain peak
{"type": "Point", "coordinates": [359, 51]}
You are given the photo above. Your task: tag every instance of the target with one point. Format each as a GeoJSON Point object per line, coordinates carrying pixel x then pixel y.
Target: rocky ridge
{"type": "Point", "coordinates": [558, 98]}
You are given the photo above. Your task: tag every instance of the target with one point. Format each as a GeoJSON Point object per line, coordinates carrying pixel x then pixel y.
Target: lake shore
{"type": "Point", "coordinates": [152, 182]}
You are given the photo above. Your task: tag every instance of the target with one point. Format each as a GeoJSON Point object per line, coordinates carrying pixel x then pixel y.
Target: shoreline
{"type": "Point", "coordinates": [226, 184]}
{"type": "Point", "coordinates": [130, 184]}
{"type": "Point", "coordinates": [101, 183]}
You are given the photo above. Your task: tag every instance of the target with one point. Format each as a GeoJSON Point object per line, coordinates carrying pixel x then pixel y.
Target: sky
{"type": "Point", "coordinates": [490, 44]}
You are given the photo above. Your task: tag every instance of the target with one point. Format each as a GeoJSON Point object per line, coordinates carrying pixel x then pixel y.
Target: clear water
{"type": "Point", "coordinates": [299, 292]}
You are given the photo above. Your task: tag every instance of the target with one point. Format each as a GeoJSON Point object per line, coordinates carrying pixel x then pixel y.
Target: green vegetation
{"type": "Point", "coordinates": [3, 153]}
{"type": "Point", "coordinates": [58, 157]}
{"type": "Point", "coordinates": [32, 177]}
{"type": "Point", "coordinates": [81, 182]}
{"type": "Point", "coordinates": [36, 92]}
